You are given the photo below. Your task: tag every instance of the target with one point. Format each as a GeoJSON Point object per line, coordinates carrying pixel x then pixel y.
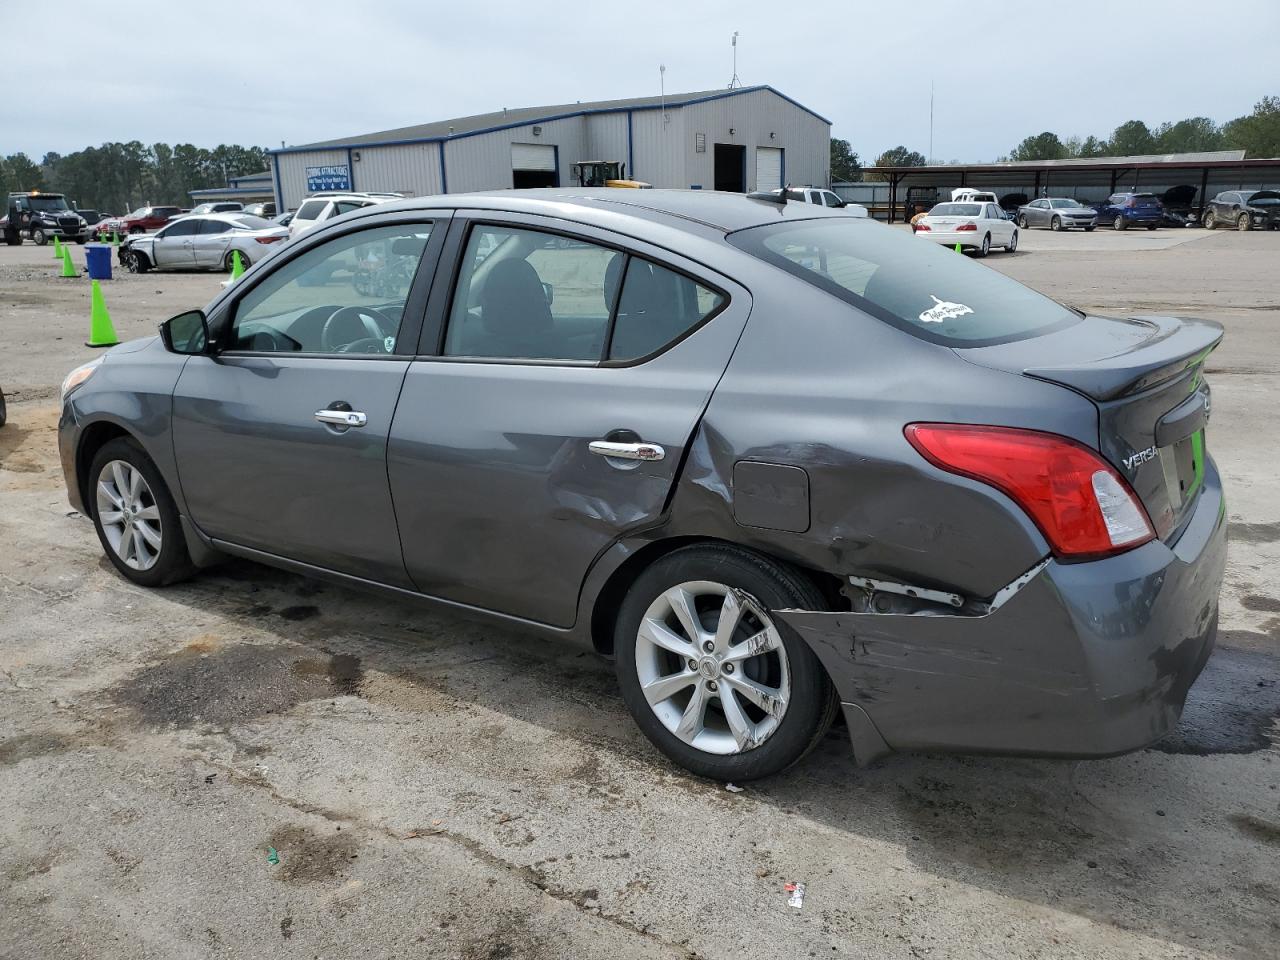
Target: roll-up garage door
{"type": "Point", "coordinates": [533, 156]}
{"type": "Point", "coordinates": [768, 168]}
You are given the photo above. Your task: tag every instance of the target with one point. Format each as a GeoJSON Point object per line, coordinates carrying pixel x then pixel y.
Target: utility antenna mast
{"type": "Point", "coordinates": [931, 121]}
{"type": "Point", "coordinates": [662, 88]}
{"type": "Point", "coordinates": [735, 82]}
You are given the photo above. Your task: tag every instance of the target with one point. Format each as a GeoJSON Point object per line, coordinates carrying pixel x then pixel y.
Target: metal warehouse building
{"type": "Point", "coordinates": [742, 139]}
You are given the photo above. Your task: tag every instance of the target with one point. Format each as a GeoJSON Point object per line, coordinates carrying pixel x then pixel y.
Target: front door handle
{"type": "Point", "coordinates": [342, 418]}
{"type": "Point", "coordinates": [627, 451]}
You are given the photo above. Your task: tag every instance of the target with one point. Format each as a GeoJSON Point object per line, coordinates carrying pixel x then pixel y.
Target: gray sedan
{"type": "Point", "coordinates": [202, 242]}
{"type": "Point", "coordinates": [1057, 213]}
{"type": "Point", "coordinates": [777, 462]}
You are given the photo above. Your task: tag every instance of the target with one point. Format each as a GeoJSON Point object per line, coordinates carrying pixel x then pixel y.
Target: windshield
{"type": "Point", "coordinates": [253, 223]}
{"type": "Point", "coordinates": [49, 204]}
{"type": "Point", "coordinates": [1265, 197]}
{"type": "Point", "coordinates": [1063, 204]}
{"type": "Point", "coordinates": [140, 212]}
{"type": "Point", "coordinates": [956, 210]}
{"type": "Point", "coordinates": [921, 288]}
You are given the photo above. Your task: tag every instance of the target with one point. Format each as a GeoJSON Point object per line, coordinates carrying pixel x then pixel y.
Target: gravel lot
{"type": "Point", "coordinates": [436, 788]}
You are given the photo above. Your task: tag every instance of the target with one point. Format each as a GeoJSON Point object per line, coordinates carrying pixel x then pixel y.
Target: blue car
{"type": "Point", "coordinates": [1124, 210]}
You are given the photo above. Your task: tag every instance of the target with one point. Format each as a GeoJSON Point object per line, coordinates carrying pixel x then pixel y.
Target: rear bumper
{"type": "Point", "coordinates": [1087, 660]}
{"type": "Point", "coordinates": [969, 238]}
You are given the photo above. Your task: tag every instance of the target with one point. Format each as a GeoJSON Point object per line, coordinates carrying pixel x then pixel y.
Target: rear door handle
{"type": "Point", "coordinates": [342, 418]}
{"type": "Point", "coordinates": [627, 451]}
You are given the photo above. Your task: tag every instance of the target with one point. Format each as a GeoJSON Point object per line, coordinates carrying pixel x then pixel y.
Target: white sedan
{"type": "Point", "coordinates": [974, 226]}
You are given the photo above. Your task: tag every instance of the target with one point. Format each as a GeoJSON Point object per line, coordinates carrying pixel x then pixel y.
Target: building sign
{"type": "Point", "coordinates": [337, 177]}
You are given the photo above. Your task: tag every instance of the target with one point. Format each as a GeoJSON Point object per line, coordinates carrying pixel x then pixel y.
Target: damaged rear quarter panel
{"type": "Point", "coordinates": [818, 385]}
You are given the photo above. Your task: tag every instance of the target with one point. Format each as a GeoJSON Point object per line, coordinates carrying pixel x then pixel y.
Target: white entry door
{"type": "Point", "coordinates": [768, 168]}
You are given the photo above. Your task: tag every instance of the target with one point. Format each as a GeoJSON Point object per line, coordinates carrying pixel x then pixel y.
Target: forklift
{"type": "Point", "coordinates": [605, 173]}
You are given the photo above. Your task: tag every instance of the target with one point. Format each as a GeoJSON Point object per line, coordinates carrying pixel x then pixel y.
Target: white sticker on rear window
{"type": "Point", "coordinates": [943, 310]}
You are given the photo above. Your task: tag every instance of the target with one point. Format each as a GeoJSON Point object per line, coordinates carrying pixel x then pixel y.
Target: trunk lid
{"type": "Point", "coordinates": [1145, 376]}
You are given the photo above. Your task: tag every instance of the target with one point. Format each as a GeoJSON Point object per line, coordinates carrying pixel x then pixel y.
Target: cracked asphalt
{"type": "Point", "coordinates": [255, 764]}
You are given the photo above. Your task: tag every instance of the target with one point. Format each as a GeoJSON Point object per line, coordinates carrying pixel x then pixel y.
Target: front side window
{"type": "Point", "coordinates": [921, 288]}
{"type": "Point", "coordinates": [182, 228]}
{"type": "Point", "coordinates": [345, 296]}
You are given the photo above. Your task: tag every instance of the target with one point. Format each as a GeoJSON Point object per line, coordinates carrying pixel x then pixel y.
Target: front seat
{"type": "Point", "coordinates": [515, 318]}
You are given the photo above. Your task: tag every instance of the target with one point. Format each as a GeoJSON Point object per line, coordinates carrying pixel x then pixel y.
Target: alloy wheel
{"type": "Point", "coordinates": [1242, 223]}
{"type": "Point", "coordinates": [1055, 224]}
{"type": "Point", "coordinates": [713, 667]}
{"type": "Point", "coordinates": [129, 515]}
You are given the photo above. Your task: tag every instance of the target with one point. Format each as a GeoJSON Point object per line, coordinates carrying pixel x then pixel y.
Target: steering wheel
{"type": "Point", "coordinates": [367, 323]}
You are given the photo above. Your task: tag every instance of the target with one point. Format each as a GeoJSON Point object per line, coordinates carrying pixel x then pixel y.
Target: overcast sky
{"type": "Point", "coordinates": [305, 70]}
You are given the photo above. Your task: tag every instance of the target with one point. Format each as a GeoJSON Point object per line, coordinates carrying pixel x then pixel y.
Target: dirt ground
{"type": "Point", "coordinates": [255, 764]}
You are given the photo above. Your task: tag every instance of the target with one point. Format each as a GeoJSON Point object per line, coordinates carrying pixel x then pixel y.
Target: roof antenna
{"type": "Point", "coordinates": [662, 88]}
{"type": "Point", "coordinates": [735, 82]}
{"type": "Point", "coordinates": [771, 196]}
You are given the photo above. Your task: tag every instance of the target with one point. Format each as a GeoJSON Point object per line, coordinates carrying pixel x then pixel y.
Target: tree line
{"type": "Point", "coordinates": [1256, 133]}
{"type": "Point", "coordinates": [118, 177]}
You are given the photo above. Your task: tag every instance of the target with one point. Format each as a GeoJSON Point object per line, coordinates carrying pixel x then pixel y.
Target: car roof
{"type": "Point", "coordinates": [721, 211]}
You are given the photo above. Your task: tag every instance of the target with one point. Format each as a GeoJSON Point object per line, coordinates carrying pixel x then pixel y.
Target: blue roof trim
{"type": "Point", "coordinates": [598, 111]}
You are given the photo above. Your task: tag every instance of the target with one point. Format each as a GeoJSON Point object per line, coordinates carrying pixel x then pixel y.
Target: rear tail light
{"type": "Point", "coordinates": [1084, 508]}
{"type": "Point", "coordinates": [268, 239]}
{"type": "Point", "coordinates": [923, 227]}
{"type": "Point", "coordinates": [966, 226]}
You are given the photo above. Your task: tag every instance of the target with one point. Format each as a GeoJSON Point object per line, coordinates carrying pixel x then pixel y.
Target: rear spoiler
{"type": "Point", "coordinates": [1176, 345]}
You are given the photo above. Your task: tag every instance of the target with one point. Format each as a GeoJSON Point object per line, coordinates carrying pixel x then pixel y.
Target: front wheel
{"type": "Point", "coordinates": [711, 677]}
{"type": "Point", "coordinates": [1055, 224]}
{"type": "Point", "coordinates": [135, 262]}
{"type": "Point", "coordinates": [1090, 228]}
{"type": "Point", "coordinates": [136, 517]}
{"type": "Point", "coordinates": [1152, 226]}
{"type": "Point", "coordinates": [1119, 223]}
{"type": "Point", "coordinates": [39, 236]}
{"type": "Point", "coordinates": [134, 230]}
{"type": "Point", "coordinates": [1242, 222]}
{"type": "Point", "coordinates": [1012, 245]}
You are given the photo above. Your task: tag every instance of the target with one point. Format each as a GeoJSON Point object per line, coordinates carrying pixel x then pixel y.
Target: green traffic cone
{"type": "Point", "coordinates": [101, 332]}
{"type": "Point", "coordinates": [958, 249]}
{"type": "Point", "coordinates": [57, 248]}
{"type": "Point", "coordinates": [115, 239]}
{"type": "Point", "coordinates": [68, 268]}
{"type": "Point", "coordinates": [237, 268]}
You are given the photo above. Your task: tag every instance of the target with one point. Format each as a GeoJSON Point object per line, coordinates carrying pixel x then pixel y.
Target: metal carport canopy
{"type": "Point", "coordinates": [1102, 171]}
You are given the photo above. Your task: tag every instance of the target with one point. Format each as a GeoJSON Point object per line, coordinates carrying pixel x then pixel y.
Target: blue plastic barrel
{"type": "Point", "coordinates": [97, 257]}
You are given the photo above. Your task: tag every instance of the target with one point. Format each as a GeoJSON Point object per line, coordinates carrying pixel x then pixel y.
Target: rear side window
{"type": "Point", "coordinates": [528, 295]}
{"type": "Point", "coordinates": [913, 284]}
{"type": "Point", "coordinates": [311, 210]}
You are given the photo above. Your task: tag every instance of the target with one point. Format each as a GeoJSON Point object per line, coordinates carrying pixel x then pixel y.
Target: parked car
{"type": "Point", "coordinates": [1124, 210]}
{"type": "Point", "coordinates": [201, 242]}
{"type": "Point", "coordinates": [40, 217]}
{"type": "Point", "coordinates": [266, 210]}
{"type": "Point", "coordinates": [1178, 202]}
{"type": "Point", "coordinates": [90, 217]}
{"type": "Point", "coordinates": [774, 460]}
{"type": "Point", "coordinates": [316, 210]}
{"type": "Point", "coordinates": [218, 206]}
{"type": "Point", "coordinates": [822, 197]}
{"type": "Point", "coordinates": [1244, 209]}
{"type": "Point", "coordinates": [1057, 213]}
{"type": "Point", "coordinates": [973, 226]}
{"type": "Point", "coordinates": [143, 220]}
{"type": "Point", "coordinates": [283, 219]}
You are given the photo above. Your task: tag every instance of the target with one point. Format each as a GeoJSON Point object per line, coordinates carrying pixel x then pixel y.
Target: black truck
{"type": "Point", "coordinates": [41, 217]}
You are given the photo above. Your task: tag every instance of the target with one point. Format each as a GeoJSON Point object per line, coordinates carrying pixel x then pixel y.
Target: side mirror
{"type": "Point", "coordinates": [186, 334]}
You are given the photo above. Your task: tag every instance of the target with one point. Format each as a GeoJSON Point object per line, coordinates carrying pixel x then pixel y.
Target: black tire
{"type": "Point", "coordinates": [1243, 223]}
{"type": "Point", "coordinates": [1210, 221]}
{"type": "Point", "coordinates": [983, 248]}
{"type": "Point", "coordinates": [228, 266]}
{"type": "Point", "coordinates": [813, 703]}
{"type": "Point", "coordinates": [1153, 226]}
{"type": "Point", "coordinates": [1089, 229]}
{"type": "Point", "coordinates": [1022, 222]}
{"type": "Point", "coordinates": [1012, 245]}
{"type": "Point", "coordinates": [13, 238]}
{"type": "Point", "coordinates": [135, 262]}
{"type": "Point", "coordinates": [174, 562]}
{"type": "Point", "coordinates": [80, 240]}
{"type": "Point", "coordinates": [39, 236]}
{"type": "Point", "coordinates": [1120, 223]}
{"type": "Point", "coordinates": [134, 230]}
{"type": "Point", "coordinates": [1055, 224]}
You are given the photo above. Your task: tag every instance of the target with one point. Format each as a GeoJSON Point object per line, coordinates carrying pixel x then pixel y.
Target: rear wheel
{"type": "Point", "coordinates": [13, 238]}
{"type": "Point", "coordinates": [1119, 223]}
{"type": "Point", "coordinates": [136, 517]}
{"type": "Point", "coordinates": [986, 245]}
{"type": "Point", "coordinates": [229, 264]}
{"type": "Point", "coordinates": [1242, 222]}
{"type": "Point", "coordinates": [711, 677]}
{"type": "Point", "coordinates": [1022, 222]}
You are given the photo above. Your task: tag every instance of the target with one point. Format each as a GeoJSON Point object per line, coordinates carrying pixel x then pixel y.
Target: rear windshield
{"type": "Point", "coordinates": [311, 209]}
{"type": "Point", "coordinates": [1144, 198]}
{"type": "Point", "coordinates": [913, 284]}
{"type": "Point", "coordinates": [956, 210]}
{"type": "Point", "coordinates": [254, 223]}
